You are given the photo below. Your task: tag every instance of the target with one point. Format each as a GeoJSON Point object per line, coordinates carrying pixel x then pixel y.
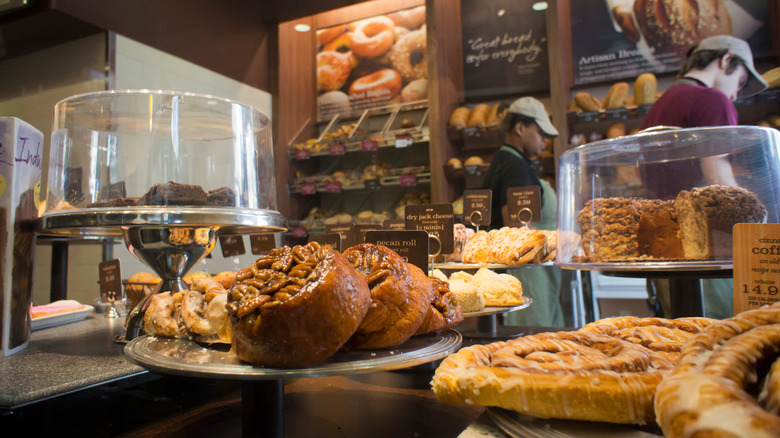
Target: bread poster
{"type": "Point", "coordinates": [617, 39]}
{"type": "Point", "coordinates": [372, 62]}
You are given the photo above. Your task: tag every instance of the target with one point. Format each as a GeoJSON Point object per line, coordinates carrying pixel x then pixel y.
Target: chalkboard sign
{"type": "Point", "coordinates": [504, 48]}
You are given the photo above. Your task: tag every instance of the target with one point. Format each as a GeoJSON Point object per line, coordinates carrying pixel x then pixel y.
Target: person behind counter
{"type": "Point", "coordinates": [716, 72]}
{"type": "Point", "coordinates": [527, 125]}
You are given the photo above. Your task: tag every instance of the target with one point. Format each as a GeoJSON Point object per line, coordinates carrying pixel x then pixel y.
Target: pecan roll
{"type": "Point", "coordinates": [444, 312]}
{"type": "Point", "coordinates": [400, 297]}
{"type": "Point", "coordinates": [296, 306]}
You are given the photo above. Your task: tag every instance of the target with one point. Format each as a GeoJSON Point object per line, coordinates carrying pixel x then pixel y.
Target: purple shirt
{"type": "Point", "coordinates": [684, 105]}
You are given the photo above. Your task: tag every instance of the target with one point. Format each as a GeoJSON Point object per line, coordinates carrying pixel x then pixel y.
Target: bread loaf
{"type": "Point", "coordinates": [645, 89]}
{"type": "Point", "coordinates": [479, 115]}
{"type": "Point", "coordinates": [460, 117]}
{"type": "Point", "coordinates": [616, 96]}
{"type": "Point", "coordinates": [496, 115]}
{"type": "Point", "coordinates": [616, 130]}
{"type": "Point", "coordinates": [587, 102]}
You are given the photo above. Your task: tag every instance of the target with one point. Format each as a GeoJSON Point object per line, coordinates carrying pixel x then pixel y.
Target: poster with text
{"type": "Point", "coordinates": [504, 48]}
{"type": "Point", "coordinates": [372, 62]}
{"type": "Point", "coordinates": [620, 39]}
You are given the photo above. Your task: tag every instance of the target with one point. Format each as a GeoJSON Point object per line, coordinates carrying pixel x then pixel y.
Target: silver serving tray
{"type": "Point", "coordinates": [487, 311]}
{"type": "Point", "coordinates": [181, 357]}
{"type": "Point", "coordinates": [517, 425]}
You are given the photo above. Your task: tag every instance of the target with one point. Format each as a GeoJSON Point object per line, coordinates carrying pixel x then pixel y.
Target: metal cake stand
{"type": "Point", "coordinates": [170, 240]}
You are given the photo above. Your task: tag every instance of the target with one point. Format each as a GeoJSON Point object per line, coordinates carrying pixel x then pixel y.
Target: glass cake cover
{"type": "Point", "coordinates": [665, 198]}
{"type": "Point", "coordinates": [141, 149]}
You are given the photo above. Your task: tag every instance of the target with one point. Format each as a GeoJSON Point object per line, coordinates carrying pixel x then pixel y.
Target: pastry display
{"type": "Point", "coordinates": [400, 297]}
{"type": "Point", "coordinates": [567, 375]}
{"type": "Point", "coordinates": [499, 290]}
{"type": "Point", "coordinates": [172, 193]}
{"type": "Point", "coordinates": [513, 246]}
{"type": "Point", "coordinates": [444, 312]}
{"type": "Point", "coordinates": [296, 307]}
{"type": "Point", "coordinates": [726, 382]}
{"type": "Point", "coordinates": [198, 314]}
{"type": "Point", "coordinates": [696, 225]}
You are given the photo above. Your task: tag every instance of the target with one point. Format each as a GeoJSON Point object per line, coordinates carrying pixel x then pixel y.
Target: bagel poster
{"type": "Point", "coordinates": [619, 39]}
{"type": "Point", "coordinates": [372, 62]}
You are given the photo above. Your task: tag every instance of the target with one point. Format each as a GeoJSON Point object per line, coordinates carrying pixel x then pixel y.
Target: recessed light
{"type": "Point", "coordinates": [501, 12]}
{"type": "Point", "coordinates": [302, 27]}
{"type": "Point", "coordinates": [539, 6]}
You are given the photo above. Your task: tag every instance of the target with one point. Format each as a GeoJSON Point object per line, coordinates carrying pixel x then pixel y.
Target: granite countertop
{"type": "Point", "coordinates": [65, 359]}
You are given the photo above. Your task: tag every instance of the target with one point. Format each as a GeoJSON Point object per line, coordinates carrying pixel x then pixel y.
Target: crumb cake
{"type": "Point", "coordinates": [172, 193]}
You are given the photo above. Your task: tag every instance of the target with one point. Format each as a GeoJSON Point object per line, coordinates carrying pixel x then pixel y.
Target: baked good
{"type": "Point", "coordinates": [462, 234]}
{"type": "Point", "coordinates": [400, 297]}
{"type": "Point", "coordinates": [507, 245]}
{"type": "Point", "coordinates": [409, 18]}
{"type": "Point", "coordinates": [139, 285]}
{"type": "Point", "coordinates": [772, 77]}
{"type": "Point", "coordinates": [455, 163]}
{"type": "Point", "coordinates": [333, 69]}
{"type": "Point", "coordinates": [459, 117]}
{"type": "Point", "coordinates": [479, 115]}
{"type": "Point", "coordinates": [444, 311]}
{"type": "Point", "coordinates": [467, 294]}
{"type": "Point", "coordinates": [664, 336]}
{"type": "Point", "coordinates": [496, 115]}
{"type": "Point", "coordinates": [473, 161]}
{"type": "Point", "coordinates": [570, 375]}
{"type": "Point", "coordinates": [616, 130]}
{"type": "Point", "coordinates": [500, 290]}
{"type": "Point", "coordinates": [223, 196]}
{"type": "Point", "coordinates": [190, 277]}
{"type": "Point", "coordinates": [296, 306]}
{"type": "Point", "coordinates": [410, 55]}
{"type": "Point", "coordinates": [380, 85]}
{"type": "Point", "coordinates": [620, 229]}
{"type": "Point", "coordinates": [324, 36]}
{"type": "Point", "coordinates": [226, 278]}
{"type": "Point", "coordinates": [726, 382]}
{"type": "Point", "coordinates": [415, 90]}
{"type": "Point", "coordinates": [708, 214]}
{"type": "Point", "coordinates": [172, 193]}
{"type": "Point", "coordinates": [334, 101]}
{"type": "Point", "coordinates": [616, 96]}
{"type": "Point", "coordinates": [673, 26]}
{"type": "Point", "coordinates": [587, 101]}
{"type": "Point", "coordinates": [373, 36]}
{"type": "Point", "coordinates": [645, 89]}
{"type": "Point", "coordinates": [623, 17]}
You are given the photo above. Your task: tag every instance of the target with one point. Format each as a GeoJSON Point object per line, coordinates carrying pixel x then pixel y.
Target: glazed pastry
{"type": "Point", "coordinates": [711, 391]}
{"type": "Point", "coordinates": [444, 312]}
{"type": "Point", "coordinates": [506, 245]}
{"type": "Point", "coordinates": [296, 307]}
{"type": "Point", "coordinates": [400, 297]}
{"type": "Point", "coordinates": [569, 375]}
{"type": "Point", "coordinates": [664, 336]}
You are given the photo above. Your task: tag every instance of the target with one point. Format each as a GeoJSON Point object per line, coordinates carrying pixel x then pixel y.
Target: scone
{"type": "Point", "coordinates": [499, 289]}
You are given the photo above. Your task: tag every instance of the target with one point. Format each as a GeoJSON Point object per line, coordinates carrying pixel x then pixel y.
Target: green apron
{"type": "Point", "coordinates": [540, 283]}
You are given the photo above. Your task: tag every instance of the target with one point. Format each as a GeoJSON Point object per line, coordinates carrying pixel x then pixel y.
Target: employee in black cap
{"type": "Point", "coordinates": [527, 126]}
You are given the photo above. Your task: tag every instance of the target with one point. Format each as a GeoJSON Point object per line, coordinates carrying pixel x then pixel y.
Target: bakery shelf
{"type": "Point", "coordinates": [388, 141]}
{"type": "Point", "coordinates": [398, 180]}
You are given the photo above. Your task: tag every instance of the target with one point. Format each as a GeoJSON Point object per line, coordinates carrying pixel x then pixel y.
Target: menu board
{"type": "Point", "coordinates": [372, 62]}
{"type": "Point", "coordinates": [613, 39]}
{"type": "Point", "coordinates": [504, 48]}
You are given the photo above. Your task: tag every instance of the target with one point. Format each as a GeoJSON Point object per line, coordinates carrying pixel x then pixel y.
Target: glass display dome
{"type": "Point", "coordinates": [666, 198]}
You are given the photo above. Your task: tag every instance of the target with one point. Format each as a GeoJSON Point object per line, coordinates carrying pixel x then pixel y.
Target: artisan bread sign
{"type": "Point", "coordinates": [756, 265]}
{"type": "Point", "coordinates": [504, 48]}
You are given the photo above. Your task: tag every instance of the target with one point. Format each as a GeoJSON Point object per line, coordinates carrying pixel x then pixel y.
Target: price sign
{"type": "Point", "coordinates": [110, 277]}
{"type": "Point", "coordinates": [332, 187]}
{"type": "Point", "coordinates": [438, 220]}
{"type": "Point", "coordinates": [756, 265]}
{"type": "Point", "coordinates": [477, 207]}
{"type": "Point", "coordinates": [408, 180]}
{"type": "Point", "coordinates": [524, 205]}
{"type": "Point", "coordinates": [232, 246]}
{"type": "Point", "coordinates": [262, 243]}
{"type": "Point", "coordinates": [403, 140]}
{"type": "Point", "coordinates": [411, 245]}
{"type": "Point", "coordinates": [336, 149]}
{"type": "Point", "coordinates": [361, 230]}
{"type": "Point", "coordinates": [394, 224]}
{"type": "Point", "coordinates": [302, 154]}
{"type": "Point", "coordinates": [346, 231]}
{"type": "Point", "coordinates": [299, 232]}
{"type": "Point", "coordinates": [368, 145]}
{"type": "Point", "coordinates": [332, 239]}
{"type": "Point", "coordinates": [373, 184]}
{"type": "Point", "coordinates": [308, 189]}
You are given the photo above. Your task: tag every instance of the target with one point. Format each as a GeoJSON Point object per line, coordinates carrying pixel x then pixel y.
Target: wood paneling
{"type": "Point", "coordinates": [559, 45]}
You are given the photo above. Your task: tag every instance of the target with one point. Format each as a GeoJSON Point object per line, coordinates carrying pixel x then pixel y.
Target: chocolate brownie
{"type": "Point", "coordinates": [115, 202]}
{"type": "Point", "coordinates": [172, 193]}
{"type": "Point", "coordinates": [222, 196]}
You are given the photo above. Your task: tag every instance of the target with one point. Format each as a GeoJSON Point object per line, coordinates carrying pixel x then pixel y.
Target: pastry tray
{"type": "Point", "coordinates": [517, 425]}
{"type": "Point", "coordinates": [488, 311]}
{"type": "Point", "coordinates": [65, 317]}
{"type": "Point", "coordinates": [468, 266]}
{"type": "Point", "coordinates": [661, 266]}
{"type": "Point", "coordinates": [182, 357]}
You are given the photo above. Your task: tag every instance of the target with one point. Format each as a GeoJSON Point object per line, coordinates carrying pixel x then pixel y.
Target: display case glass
{"type": "Point", "coordinates": [666, 198]}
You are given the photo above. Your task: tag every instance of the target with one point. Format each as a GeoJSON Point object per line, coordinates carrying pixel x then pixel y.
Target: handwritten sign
{"type": "Point", "coordinates": [756, 265]}
{"type": "Point", "coordinates": [504, 48]}
{"type": "Point", "coordinates": [524, 205]}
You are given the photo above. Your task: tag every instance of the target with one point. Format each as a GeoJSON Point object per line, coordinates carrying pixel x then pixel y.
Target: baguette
{"type": "Point", "coordinates": [645, 89]}
{"type": "Point", "coordinates": [616, 96]}
{"type": "Point", "coordinates": [460, 117]}
{"type": "Point", "coordinates": [587, 102]}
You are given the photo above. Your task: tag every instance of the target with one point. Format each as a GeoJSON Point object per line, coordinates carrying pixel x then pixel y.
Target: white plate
{"type": "Point", "coordinates": [60, 318]}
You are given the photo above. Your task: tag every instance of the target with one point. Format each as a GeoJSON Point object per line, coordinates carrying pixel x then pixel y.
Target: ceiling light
{"type": "Point", "coordinates": [302, 27]}
{"type": "Point", "coordinates": [539, 6]}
